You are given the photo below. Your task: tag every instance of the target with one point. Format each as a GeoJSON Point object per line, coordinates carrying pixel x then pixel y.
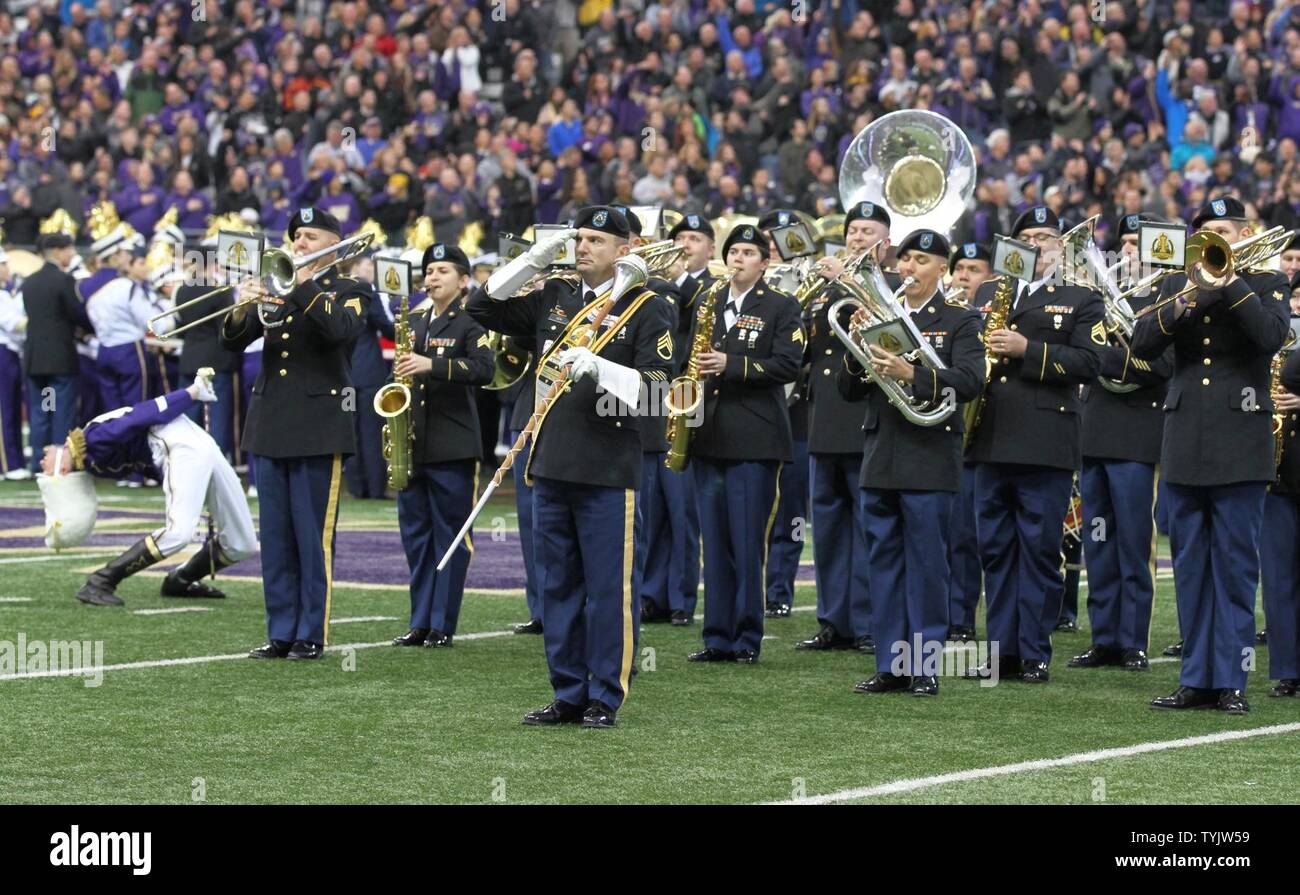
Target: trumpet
{"type": "Point", "coordinates": [1210, 262]}
{"type": "Point", "coordinates": [277, 271]}
{"type": "Point", "coordinates": [1083, 265]}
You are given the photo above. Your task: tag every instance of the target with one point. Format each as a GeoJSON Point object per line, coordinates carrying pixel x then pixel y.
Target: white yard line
{"type": "Point", "coordinates": [15, 599]}
{"type": "Point", "coordinates": [173, 611]}
{"type": "Point", "coordinates": [363, 618]}
{"type": "Point", "coordinates": [1023, 767]}
{"type": "Point", "coordinates": [58, 557]}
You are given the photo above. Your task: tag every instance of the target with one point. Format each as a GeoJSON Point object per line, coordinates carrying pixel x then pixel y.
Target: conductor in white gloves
{"type": "Point", "coordinates": [586, 454]}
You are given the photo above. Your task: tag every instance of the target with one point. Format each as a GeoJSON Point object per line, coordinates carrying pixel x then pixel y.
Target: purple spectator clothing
{"type": "Point", "coordinates": [1257, 115]}
{"type": "Point", "coordinates": [344, 207]}
{"type": "Point", "coordinates": [807, 97]}
{"type": "Point", "coordinates": [117, 442]}
{"type": "Point", "coordinates": [368, 148]}
{"type": "Point", "coordinates": [548, 200]}
{"type": "Point", "coordinates": [275, 218]}
{"type": "Point", "coordinates": [189, 219]}
{"type": "Point", "coordinates": [134, 210]}
{"type": "Point", "coordinates": [1288, 108]}
{"type": "Point", "coordinates": [169, 116]}
{"type": "Point", "coordinates": [292, 165]}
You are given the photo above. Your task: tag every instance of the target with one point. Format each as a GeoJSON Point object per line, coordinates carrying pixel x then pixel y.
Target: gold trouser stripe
{"type": "Point", "coordinates": [473, 499]}
{"type": "Point", "coordinates": [327, 538]}
{"type": "Point", "coordinates": [1155, 541]}
{"type": "Point", "coordinates": [771, 520]}
{"type": "Point", "coordinates": [144, 372]}
{"type": "Point", "coordinates": [162, 370]}
{"type": "Point", "coordinates": [629, 521]}
{"type": "Point", "coordinates": [4, 460]}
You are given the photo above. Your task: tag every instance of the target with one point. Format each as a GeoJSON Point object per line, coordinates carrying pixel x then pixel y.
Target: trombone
{"type": "Point", "coordinates": [1210, 262]}
{"type": "Point", "coordinates": [1083, 265]}
{"type": "Point", "coordinates": [278, 272]}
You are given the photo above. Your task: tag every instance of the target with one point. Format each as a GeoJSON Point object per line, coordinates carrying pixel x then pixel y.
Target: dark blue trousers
{"type": "Point", "coordinates": [1279, 569]}
{"type": "Point", "coordinates": [669, 540]}
{"type": "Point", "coordinates": [1119, 550]}
{"type": "Point", "coordinates": [907, 556]}
{"type": "Point", "coordinates": [365, 472]}
{"type": "Point", "coordinates": [1214, 538]}
{"type": "Point", "coordinates": [249, 369]}
{"type": "Point", "coordinates": [221, 415]}
{"type": "Point", "coordinates": [430, 511]}
{"type": "Point", "coordinates": [738, 505]}
{"type": "Point", "coordinates": [1019, 517]}
{"type": "Point", "coordinates": [785, 543]}
{"type": "Point", "coordinates": [297, 513]}
{"type": "Point", "coordinates": [123, 375]}
{"type": "Point", "coordinates": [88, 389]}
{"type": "Point", "coordinates": [964, 555]}
{"type": "Point", "coordinates": [524, 510]}
{"type": "Point", "coordinates": [11, 411]}
{"type": "Point", "coordinates": [52, 409]}
{"type": "Point", "coordinates": [839, 545]}
{"type": "Point", "coordinates": [586, 571]}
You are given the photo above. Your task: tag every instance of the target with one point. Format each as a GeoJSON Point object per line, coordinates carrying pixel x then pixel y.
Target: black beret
{"type": "Point", "coordinates": [440, 251]}
{"type": "Point", "coordinates": [1293, 244]}
{"type": "Point", "coordinates": [746, 233]}
{"type": "Point", "coordinates": [633, 222]}
{"type": "Point", "coordinates": [1226, 208]}
{"type": "Point", "coordinates": [779, 218]}
{"type": "Point", "coordinates": [1295, 280]}
{"type": "Point", "coordinates": [867, 211]}
{"type": "Point", "coordinates": [317, 218]}
{"type": "Point", "coordinates": [1037, 216]}
{"type": "Point", "coordinates": [54, 241]}
{"type": "Point", "coordinates": [603, 218]}
{"type": "Point", "coordinates": [969, 251]}
{"type": "Point", "coordinates": [1129, 224]}
{"type": "Point", "coordinates": [928, 241]}
{"type": "Point", "coordinates": [692, 223]}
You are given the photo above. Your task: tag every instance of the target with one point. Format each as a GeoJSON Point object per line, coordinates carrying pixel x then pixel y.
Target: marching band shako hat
{"type": "Point", "coordinates": [603, 218]}
{"type": "Point", "coordinates": [969, 251]}
{"type": "Point", "coordinates": [866, 211]}
{"type": "Point", "coordinates": [1225, 209]}
{"type": "Point", "coordinates": [749, 233]}
{"type": "Point", "coordinates": [633, 222]}
{"type": "Point", "coordinates": [48, 241]}
{"type": "Point", "coordinates": [317, 218]}
{"type": "Point", "coordinates": [440, 251]}
{"type": "Point", "coordinates": [692, 223]}
{"type": "Point", "coordinates": [929, 241]}
{"type": "Point", "coordinates": [1038, 216]}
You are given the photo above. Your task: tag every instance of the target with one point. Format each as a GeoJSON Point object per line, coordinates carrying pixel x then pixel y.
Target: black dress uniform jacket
{"type": "Point", "coordinates": [834, 422]}
{"type": "Point", "coordinates": [298, 407]}
{"type": "Point", "coordinates": [900, 455]}
{"type": "Point", "coordinates": [1127, 426]}
{"type": "Point", "coordinates": [369, 369]}
{"type": "Point", "coordinates": [1288, 472]}
{"type": "Point", "coordinates": [1218, 409]}
{"type": "Point", "coordinates": [203, 346]}
{"type": "Point", "coordinates": [745, 411]}
{"type": "Point", "coordinates": [53, 313]}
{"type": "Point", "coordinates": [1031, 415]}
{"type": "Point", "coordinates": [654, 420]}
{"type": "Point", "coordinates": [443, 405]}
{"type": "Point", "coordinates": [580, 441]}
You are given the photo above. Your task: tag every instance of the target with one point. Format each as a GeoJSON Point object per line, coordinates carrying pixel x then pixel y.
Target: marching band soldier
{"type": "Point", "coordinates": [13, 335]}
{"type": "Point", "coordinates": [910, 473]}
{"type": "Point", "coordinates": [54, 311]}
{"type": "Point", "coordinates": [520, 411]}
{"type": "Point", "coordinates": [1121, 447]}
{"type": "Point", "coordinates": [1217, 460]}
{"type": "Point", "coordinates": [203, 348]}
{"type": "Point", "coordinates": [452, 354]}
{"type": "Point", "coordinates": [740, 445]}
{"type": "Point", "coordinates": [365, 473]}
{"type": "Point", "coordinates": [1027, 447]}
{"type": "Point", "coordinates": [299, 427]}
{"type": "Point", "coordinates": [971, 266]}
{"type": "Point", "coordinates": [788, 532]}
{"type": "Point", "coordinates": [835, 446]}
{"type": "Point", "coordinates": [1279, 562]}
{"type": "Point", "coordinates": [586, 458]}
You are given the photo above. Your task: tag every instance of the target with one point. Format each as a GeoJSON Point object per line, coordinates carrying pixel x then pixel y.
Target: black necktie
{"type": "Point", "coordinates": [733, 312]}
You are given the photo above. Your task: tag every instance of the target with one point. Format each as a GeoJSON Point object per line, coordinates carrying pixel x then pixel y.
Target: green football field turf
{"type": "Point", "coordinates": [382, 724]}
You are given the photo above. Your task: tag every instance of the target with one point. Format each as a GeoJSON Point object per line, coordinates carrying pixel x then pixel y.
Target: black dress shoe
{"type": "Point", "coordinates": [865, 644]}
{"type": "Point", "coordinates": [272, 649]}
{"type": "Point", "coordinates": [1066, 626]}
{"type": "Point", "coordinates": [1097, 657]}
{"type": "Point", "coordinates": [1233, 702]}
{"type": "Point", "coordinates": [1135, 660]}
{"type": "Point", "coordinates": [176, 586]}
{"type": "Point", "coordinates": [777, 610]}
{"type": "Point", "coordinates": [961, 633]}
{"type": "Point", "coordinates": [413, 637]}
{"type": "Point", "coordinates": [924, 686]}
{"type": "Point", "coordinates": [1187, 698]}
{"type": "Point", "coordinates": [1262, 636]}
{"type": "Point", "coordinates": [682, 617]}
{"type": "Point", "coordinates": [1032, 672]}
{"type": "Point", "coordinates": [1008, 666]}
{"type": "Point", "coordinates": [825, 639]}
{"type": "Point", "coordinates": [305, 649]}
{"type": "Point", "coordinates": [599, 715]}
{"type": "Point", "coordinates": [558, 712]}
{"type": "Point", "coordinates": [1286, 687]}
{"type": "Point", "coordinates": [1175, 650]}
{"type": "Point", "coordinates": [653, 615]}
{"type": "Point", "coordinates": [436, 638]}
{"type": "Point", "coordinates": [746, 657]}
{"type": "Point", "coordinates": [529, 627]}
{"type": "Point", "coordinates": [709, 654]}
{"type": "Point", "coordinates": [882, 682]}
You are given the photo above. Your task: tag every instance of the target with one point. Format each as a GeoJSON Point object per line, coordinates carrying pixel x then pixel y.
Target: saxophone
{"type": "Point", "coordinates": [393, 403]}
{"type": "Point", "coordinates": [686, 393]}
{"type": "Point", "coordinates": [999, 311]}
{"type": "Point", "coordinates": [1275, 387]}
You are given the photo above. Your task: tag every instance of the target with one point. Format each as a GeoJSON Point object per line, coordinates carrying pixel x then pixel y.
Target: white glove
{"type": "Point", "coordinates": [582, 364]}
{"type": "Point", "coordinates": [544, 253]}
{"type": "Point", "coordinates": [620, 381]}
{"type": "Point", "coordinates": [505, 281]}
{"type": "Point", "coordinates": [203, 385]}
